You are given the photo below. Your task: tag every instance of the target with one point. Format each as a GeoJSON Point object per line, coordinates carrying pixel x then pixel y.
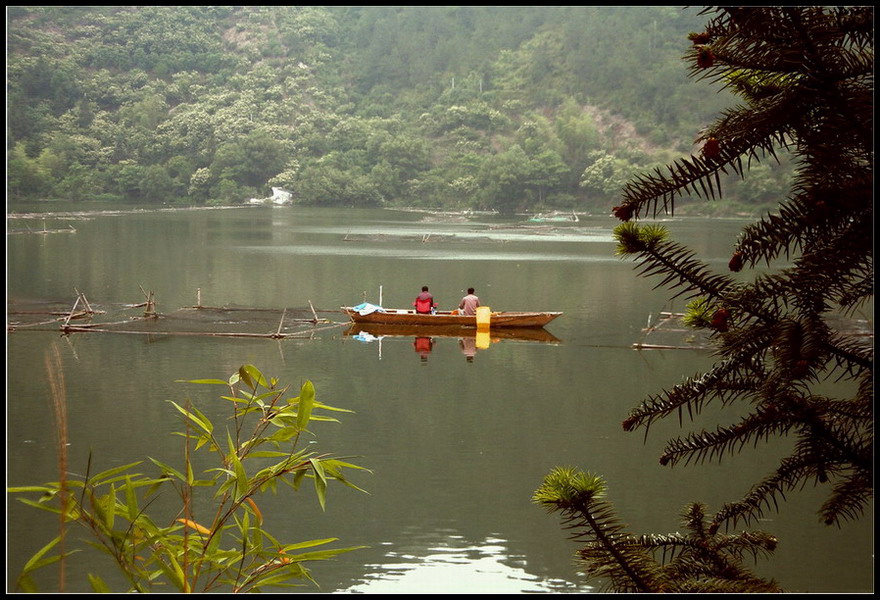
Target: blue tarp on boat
{"type": "Point", "coordinates": [366, 308]}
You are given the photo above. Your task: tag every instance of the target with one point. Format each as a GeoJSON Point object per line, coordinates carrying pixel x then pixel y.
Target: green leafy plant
{"type": "Point", "coordinates": [226, 548]}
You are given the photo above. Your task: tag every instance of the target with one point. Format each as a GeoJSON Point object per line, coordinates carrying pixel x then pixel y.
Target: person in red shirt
{"type": "Point", "coordinates": [469, 303]}
{"type": "Point", "coordinates": [425, 302]}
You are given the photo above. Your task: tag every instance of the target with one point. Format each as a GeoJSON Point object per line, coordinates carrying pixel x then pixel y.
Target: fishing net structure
{"type": "Point", "coordinates": [82, 316]}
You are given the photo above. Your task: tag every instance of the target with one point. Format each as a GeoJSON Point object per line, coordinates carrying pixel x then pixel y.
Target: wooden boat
{"type": "Point", "coordinates": [410, 317]}
{"type": "Point", "coordinates": [526, 334]}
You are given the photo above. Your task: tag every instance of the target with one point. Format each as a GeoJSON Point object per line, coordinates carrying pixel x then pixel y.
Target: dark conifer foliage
{"type": "Point", "coordinates": [805, 77]}
{"type": "Point", "coordinates": [700, 560]}
{"type": "Point", "coordinates": [806, 74]}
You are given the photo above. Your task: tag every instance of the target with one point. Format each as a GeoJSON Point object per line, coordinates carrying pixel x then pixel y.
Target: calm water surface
{"type": "Point", "coordinates": [456, 447]}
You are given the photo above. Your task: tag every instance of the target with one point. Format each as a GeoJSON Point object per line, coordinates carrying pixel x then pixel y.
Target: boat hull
{"type": "Point", "coordinates": [410, 317]}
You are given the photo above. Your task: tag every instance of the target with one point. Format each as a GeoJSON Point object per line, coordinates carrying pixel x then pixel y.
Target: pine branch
{"type": "Point", "coordinates": [713, 445]}
{"type": "Point", "coordinates": [762, 496]}
{"type": "Point", "coordinates": [806, 74]}
{"type": "Point", "coordinates": [656, 256]}
{"type": "Point", "coordinates": [709, 561]}
{"type": "Point", "coordinates": [809, 460]}
{"type": "Point", "coordinates": [814, 215]}
{"type": "Point", "coordinates": [849, 500]}
{"type": "Point", "coordinates": [577, 496]}
{"type": "Point", "coordinates": [719, 383]}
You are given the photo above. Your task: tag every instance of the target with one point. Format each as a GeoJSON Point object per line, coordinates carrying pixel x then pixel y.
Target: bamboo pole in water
{"type": "Point", "coordinates": [281, 324]}
{"type": "Point", "coordinates": [72, 310]}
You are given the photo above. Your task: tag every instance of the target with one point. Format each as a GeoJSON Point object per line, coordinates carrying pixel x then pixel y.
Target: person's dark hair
{"type": "Point", "coordinates": [424, 288]}
{"type": "Point", "coordinates": [470, 290]}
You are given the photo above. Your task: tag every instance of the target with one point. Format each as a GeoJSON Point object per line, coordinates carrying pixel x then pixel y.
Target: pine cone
{"type": "Point", "coordinates": [736, 262]}
{"type": "Point", "coordinates": [624, 212]}
{"type": "Point", "coordinates": [712, 148]}
{"type": "Point", "coordinates": [705, 58]}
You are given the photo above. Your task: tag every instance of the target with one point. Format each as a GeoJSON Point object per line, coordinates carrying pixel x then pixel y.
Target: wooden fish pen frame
{"type": "Point", "coordinates": [44, 230]}
{"type": "Point", "coordinates": [665, 318]}
{"type": "Point", "coordinates": [150, 313]}
{"type": "Point", "coordinates": [851, 328]}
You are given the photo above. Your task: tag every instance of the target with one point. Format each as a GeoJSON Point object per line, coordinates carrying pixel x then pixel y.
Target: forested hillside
{"type": "Point", "coordinates": [496, 108]}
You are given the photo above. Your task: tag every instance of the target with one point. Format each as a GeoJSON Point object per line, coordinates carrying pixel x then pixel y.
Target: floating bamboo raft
{"type": "Point", "coordinates": [44, 230]}
{"type": "Point", "coordinates": [197, 320]}
{"type": "Point", "coordinates": [669, 333]}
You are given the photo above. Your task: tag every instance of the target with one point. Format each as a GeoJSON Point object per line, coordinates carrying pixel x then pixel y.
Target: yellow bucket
{"type": "Point", "coordinates": [483, 317]}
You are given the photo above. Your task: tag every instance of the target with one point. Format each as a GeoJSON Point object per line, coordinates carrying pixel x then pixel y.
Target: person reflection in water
{"type": "Point", "coordinates": [423, 346]}
{"type": "Point", "coordinates": [468, 348]}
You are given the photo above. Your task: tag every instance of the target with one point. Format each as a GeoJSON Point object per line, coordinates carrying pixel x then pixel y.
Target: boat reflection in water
{"type": "Point", "coordinates": [470, 339]}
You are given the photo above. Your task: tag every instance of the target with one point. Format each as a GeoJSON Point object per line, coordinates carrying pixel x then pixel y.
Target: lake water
{"type": "Point", "coordinates": [456, 446]}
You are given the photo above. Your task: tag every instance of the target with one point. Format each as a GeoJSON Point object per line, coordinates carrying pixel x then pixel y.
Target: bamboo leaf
{"type": "Point", "coordinates": [265, 395]}
{"type": "Point", "coordinates": [105, 475]}
{"type": "Point", "coordinates": [234, 399]}
{"type": "Point", "coordinates": [306, 403]}
{"type": "Point", "coordinates": [31, 488]}
{"type": "Point", "coordinates": [241, 481]}
{"type": "Point", "coordinates": [131, 501]}
{"type": "Point", "coordinates": [203, 381]}
{"type": "Point", "coordinates": [110, 507]}
{"type": "Point", "coordinates": [49, 560]}
{"type": "Point", "coordinates": [324, 419]}
{"type": "Point", "coordinates": [320, 481]}
{"type": "Point", "coordinates": [33, 563]}
{"type": "Point", "coordinates": [255, 374]}
{"type": "Point", "coordinates": [27, 585]}
{"type": "Point", "coordinates": [257, 512]}
{"type": "Point", "coordinates": [323, 554]}
{"type": "Point", "coordinates": [209, 426]}
{"type": "Point", "coordinates": [98, 508]}
{"type": "Point", "coordinates": [214, 544]}
{"type": "Point", "coordinates": [204, 439]}
{"type": "Point", "coordinates": [326, 407]}
{"type": "Point", "coordinates": [174, 572]}
{"type": "Point", "coordinates": [40, 505]}
{"type": "Point", "coordinates": [193, 525]}
{"type": "Point", "coordinates": [98, 584]}
{"type": "Point", "coordinates": [192, 416]}
{"type": "Point", "coordinates": [168, 470]}
{"type": "Point", "coordinates": [229, 443]}
{"type": "Point", "coordinates": [308, 544]}
{"type": "Point", "coordinates": [282, 435]}
{"type": "Point", "coordinates": [268, 453]}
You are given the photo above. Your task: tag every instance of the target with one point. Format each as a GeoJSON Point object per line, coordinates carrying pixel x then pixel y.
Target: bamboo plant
{"type": "Point", "coordinates": [226, 548]}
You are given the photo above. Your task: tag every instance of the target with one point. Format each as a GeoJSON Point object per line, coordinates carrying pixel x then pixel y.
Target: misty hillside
{"type": "Point", "coordinates": [501, 108]}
